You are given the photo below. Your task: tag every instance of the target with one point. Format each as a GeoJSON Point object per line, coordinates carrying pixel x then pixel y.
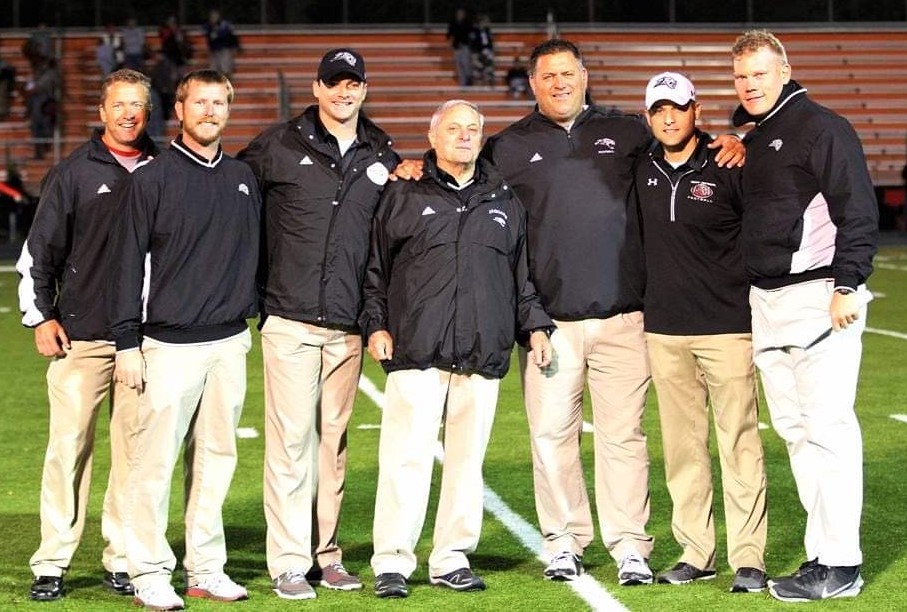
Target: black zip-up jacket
{"type": "Point", "coordinates": [447, 275]}
{"type": "Point", "coordinates": [584, 253]}
{"type": "Point", "coordinates": [197, 222]}
{"type": "Point", "coordinates": [695, 280]}
{"type": "Point", "coordinates": [317, 217]}
{"type": "Point", "coordinates": [810, 209]}
{"type": "Point", "coordinates": [64, 263]}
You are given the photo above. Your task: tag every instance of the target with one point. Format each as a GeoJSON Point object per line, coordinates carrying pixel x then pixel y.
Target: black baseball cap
{"type": "Point", "coordinates": [341, 61]}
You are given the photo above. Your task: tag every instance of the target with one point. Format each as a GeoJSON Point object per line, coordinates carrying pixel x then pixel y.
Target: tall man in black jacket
{"type": "Point", "coordinates": [447, 286]}
{"type": "Point", "coordinates": [184, 255]}
{"type": "Point", "coordinates": [63, 267]}
{"type": "Point", "coordinates": [321, 175]}
{"type": "Point", "coordinates": [810, 230]}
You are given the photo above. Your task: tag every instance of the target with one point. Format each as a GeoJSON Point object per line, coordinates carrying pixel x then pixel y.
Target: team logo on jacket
{"type": "Point", "coordinates": [701, 191]}
{"type": "Point", "coordinates": [498, 216]}
{"type": "Point", "coordinates": [377, 173]}
{"type": "Point", "coordinates": [306, 161]}
{"type": "Point", "coordinates": [535, 158]}
{"type": "Point", "coordinates": [103, 189]}
{"type": "Point", "coordinates": [605, 146]}
{"type": "Point", "coordinates": [776, 144]}
{"type": "Point", "coordinates": [243, 188]}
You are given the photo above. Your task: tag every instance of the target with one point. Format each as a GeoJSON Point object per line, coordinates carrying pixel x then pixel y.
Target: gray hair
{"type": "Point", "coordinates": [445, 106]}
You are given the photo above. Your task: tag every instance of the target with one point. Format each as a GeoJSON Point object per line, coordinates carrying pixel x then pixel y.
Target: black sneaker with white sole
{"type": "Point", "coordinates": [748, 580]}
{"type": "Point", "coordinates": [459, 580]}
{"type": "Point", "coordinates": [47, 588]}
{"type": "Point", "coordinates": [390, 585]}
{"type": "Point", "coordinates": [118, 582]}
{"type": "Point", "coordinates": [819, 582]}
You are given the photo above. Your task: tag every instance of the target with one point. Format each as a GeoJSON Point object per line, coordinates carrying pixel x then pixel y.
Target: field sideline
{"type": "Point", "coordinates": [507, 554]}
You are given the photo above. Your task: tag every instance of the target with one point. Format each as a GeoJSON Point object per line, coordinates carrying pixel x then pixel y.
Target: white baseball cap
{"type": "Point", "coordinates": [670, 86]}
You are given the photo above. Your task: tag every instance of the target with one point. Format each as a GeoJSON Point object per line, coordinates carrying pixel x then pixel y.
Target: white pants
{"type": "Point", "coordinates": [417, 401]}
{"type": "Point", "coordinates": [810, 394]}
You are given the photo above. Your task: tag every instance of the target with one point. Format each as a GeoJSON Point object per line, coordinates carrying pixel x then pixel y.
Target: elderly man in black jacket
{"type": "Point", "coordinates": [447, 289]}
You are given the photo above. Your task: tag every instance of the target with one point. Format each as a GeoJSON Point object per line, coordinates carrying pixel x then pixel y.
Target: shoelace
{"type": "Point", "coordinates": [293, 576]}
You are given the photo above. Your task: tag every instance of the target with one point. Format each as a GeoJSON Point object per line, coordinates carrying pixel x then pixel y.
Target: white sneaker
{"type": "Point", "coordinates": [160, 596]}
{"type": "Point", "coordinates": [564, 566]}
{"type": "Point", "coordinates": [632, 569]}
{"type": "Point", "coordinates": [218, 587]}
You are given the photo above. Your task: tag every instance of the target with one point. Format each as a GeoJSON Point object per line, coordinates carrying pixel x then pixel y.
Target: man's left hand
{"type": "Point", "coordinates": [540, 351]}
{"type": "Point", "coordinates": [732, 152]}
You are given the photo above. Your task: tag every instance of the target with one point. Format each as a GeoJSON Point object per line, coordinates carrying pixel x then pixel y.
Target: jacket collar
{"type": "Point", "coordinates": [208, 163]}
{"type": "Point", "coordinates": [697, 160]}
{"type": "Point", "coordinates": [99, 150]}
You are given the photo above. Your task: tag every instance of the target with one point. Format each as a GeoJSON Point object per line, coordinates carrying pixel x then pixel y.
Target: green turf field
{"type": "Point", "coordinates": [512, 572]}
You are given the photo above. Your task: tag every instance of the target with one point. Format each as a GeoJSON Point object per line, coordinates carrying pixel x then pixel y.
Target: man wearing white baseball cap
{"type": "Point", "coordinates": [697, 328]}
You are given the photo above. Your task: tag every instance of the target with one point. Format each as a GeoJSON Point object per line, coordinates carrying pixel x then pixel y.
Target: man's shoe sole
{"type": "Point", "coordinates": [472, 586]}
{"type": "Point", "coordinates": [691, 580]}
{"type": "Point", "coordinates": [203, 594]}
{"type": "Point", "coordinates": [635, 581]}
{"type": "Point", "coordinates": [292, 596]}
{"type": "Point", "coordinates": [344, 587]}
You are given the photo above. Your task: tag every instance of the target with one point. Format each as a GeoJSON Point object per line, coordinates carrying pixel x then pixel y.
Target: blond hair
{"type": "Point", "coordinates": [753, 40]}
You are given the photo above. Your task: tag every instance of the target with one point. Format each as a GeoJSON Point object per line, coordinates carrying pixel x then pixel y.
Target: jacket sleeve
{"type": "Point", "coordinates": [256, 154]}
{"type": "Point", "coordinates": [44, 254]}
{"type": "Point", "coordinates": [838, 162]}
{"type": "Point", "coordinates": [530, 314]}
{"type": "Point", "coordinates": [129, 246]}
{"type": "Point", "coordinates": [377, 272]}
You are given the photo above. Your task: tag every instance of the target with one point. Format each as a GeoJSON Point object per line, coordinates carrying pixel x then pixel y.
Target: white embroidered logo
{"type": "Point", "coordinates": [535, 158]}
{"type": "Point", "coordinates": [428, 210]}
{"type": "Point", "coordinates": [377, 173]}
{"type": "Point", "coordinates": [776, 144]}
{"type": "Point", "coordinates": [607, 146]}
{"type": "Point", "coordinates": [243, 188]}
{"type": "Point", "coordinates": [103, 189]}
{"type": "Point", "coordinates": [652, 182]}
{"type": "Point", "coordinates": [306, 161]}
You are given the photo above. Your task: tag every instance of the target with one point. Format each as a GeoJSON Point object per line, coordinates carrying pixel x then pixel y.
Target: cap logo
{"type": "Point", "coordinates": [667, 81]}
{"type": "Point", "coordinates": [344, 56]}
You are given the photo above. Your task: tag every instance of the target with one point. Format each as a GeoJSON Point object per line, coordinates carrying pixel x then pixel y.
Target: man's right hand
{"type": "Point", "coordinates": [381, 345]}
{"type": "Point", "coordinates": [130, 369]}
{"type": "Point", "coordinates": [51, 339]}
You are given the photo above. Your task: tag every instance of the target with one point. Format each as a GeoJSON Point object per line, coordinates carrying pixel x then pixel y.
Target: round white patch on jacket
{"type": "Point", "coordinates": [377, 173]}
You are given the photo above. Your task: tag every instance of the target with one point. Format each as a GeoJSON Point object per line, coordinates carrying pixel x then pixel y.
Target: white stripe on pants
{"type": "Point", "coordinates": [417, 400]}
{"type": "Point", "coordinates": [811, 396]}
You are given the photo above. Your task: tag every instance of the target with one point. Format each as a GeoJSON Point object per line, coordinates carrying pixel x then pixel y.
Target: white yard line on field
{"type": "Point", "coordinates": [7, 268]}
{"type": "Point", "coordinates": [887, 332]}
{"type": "Point", "coordinates": [887, 266]}
{"type": "Point", "coordinates": [899, 417]}
{"type": "Point", "coordinates": [586, 587]}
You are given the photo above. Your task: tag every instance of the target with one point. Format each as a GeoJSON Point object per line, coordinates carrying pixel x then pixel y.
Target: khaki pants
{"type": "Point", "coordinates": [311, 375]}
{"type": "Point", "coordinates": [811, 395]}
{"type": "Point", "coordinates": [193, 393]}
{"type": "Point", "coordinates": [417, 402]}
{"type": "Point", "coordinates": [77, 385]}
{"type": "Point", "coordinates": [691, 372]}
{"type": "Point", "coordinates": [611, 355]}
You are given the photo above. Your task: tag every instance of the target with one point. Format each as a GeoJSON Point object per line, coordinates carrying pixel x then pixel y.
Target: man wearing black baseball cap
{"type": "Point", "coordinates": [321, 175]}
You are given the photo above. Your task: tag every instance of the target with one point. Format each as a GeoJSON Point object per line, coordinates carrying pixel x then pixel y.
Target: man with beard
{"type": "Point", "coordinates": [193, 216]}
{"type": "Point", "coordinates": [63, 269]}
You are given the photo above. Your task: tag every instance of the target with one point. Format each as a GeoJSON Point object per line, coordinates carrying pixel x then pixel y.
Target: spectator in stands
{"type": "Point", "coordinates": [517, 78]}
{"type": "Point", "coordinates": [134, 47]}
{"type": "Point", "coordinates": [175, 46]}
{"type": "Point", "coordinates": [109, 52]}
{"type": "Point", "coordinates": [698, 337]}
{"type": "Point", "coordinates": [64, 267]}
{"type": "Point", "coordinates": [571, 165]}
{"type": "Point", "coordinates": [315, 256]}
{"type": "Point", "coordinates": [435, 267]}
{"type": "Point", "coordinates": [41, 95]}
{"type": "Point", "coordinates": [223, 43]}
{"type": "Point", "coordinates": [193, 214]}
{"type": "Point", "coordinates": [482, 49]}
{"type": "Point", "coordinates": [810, 230]}
{"type": "Point", "coordinates": [7, 88]}
{"type": "Point", "coordinates": [459, 33]}
{"type": "Point", "coordinates": [38, 49]}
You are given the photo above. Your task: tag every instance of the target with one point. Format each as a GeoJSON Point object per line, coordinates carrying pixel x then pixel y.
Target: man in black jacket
{"type": "Point", "coordinates": [64, 267]}
{"type": "Point", "coordinates": [447, 285]}
{"type": "Point", "coordinates": [698, 336]}
{"type": "Point", "coordinates": [184, 254]}
{"type": "Point", "coordinates": [321, 175]}
{"type": "Point", "coordinates": [810, 230]}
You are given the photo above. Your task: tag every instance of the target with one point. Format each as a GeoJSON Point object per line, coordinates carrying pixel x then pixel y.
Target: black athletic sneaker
{"type": "Point", "coordinates": [390, 585]}
{"type": "Point", "coordinates": [819, 582]}
{"type": "Point", "coordinates": [806, 566]}
{"type": "Point", "coordinates": [459, 580]}
{"type": "Point", "coordinates": [748, 580]}
{"type": "Point", "coordinates": [118, 582]}
{"type": "Point", "coordinates": [46, 588]}
{"type": "Point", "coordinates": [683, 573]}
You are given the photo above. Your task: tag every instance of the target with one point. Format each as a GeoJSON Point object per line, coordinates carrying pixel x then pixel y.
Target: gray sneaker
{"type": "Point", "coordinates": [684, 573]}
{"type": "Point", "coordinates": [292, 585]}
{"type": "Point", "coordinates": [633, 569]}
{"type": "Point", "coordinates": [564, 566]}
{"type": "Point", "coordinates": [334, 576]}
{"type": "Point", "coordinates": [821, 582]}
{"type": "Point", "coordinates": [748, 580]}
